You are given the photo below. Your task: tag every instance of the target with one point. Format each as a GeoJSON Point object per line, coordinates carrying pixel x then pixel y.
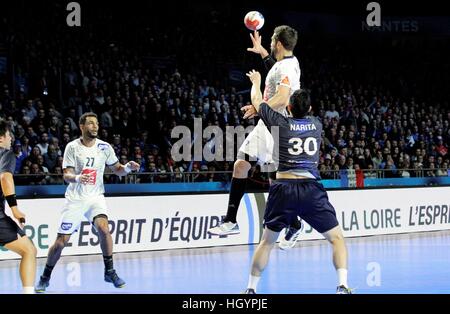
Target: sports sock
{"type": "Point", "coordinates": [108, 260]}
{"type": "Point", "coordinates": [237, 191]}
{"type": "Point", "coordinates": [28, 290]}
{"type": "Point", "coordinates": [342, 277]}
{"type": "Point", "coordinates": [253, 282]}
{"type": "Point", "coordinates": [47, 271]}
{"type": "Point", "coordinates": [296, 223]}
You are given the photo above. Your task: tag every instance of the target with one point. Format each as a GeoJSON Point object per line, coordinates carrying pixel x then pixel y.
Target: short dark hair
{"type": "Point", "coordinates": [300, 102]}
{"type": "Point", "coordinates": [287, 36]}
{"type": "Point", "coordinates": [86, 115]}
{"type": "Point", "coordinates": [4, 127]}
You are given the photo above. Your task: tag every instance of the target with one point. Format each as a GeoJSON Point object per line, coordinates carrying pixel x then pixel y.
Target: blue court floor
{"type": "Point", "coordinates": [407, 263]}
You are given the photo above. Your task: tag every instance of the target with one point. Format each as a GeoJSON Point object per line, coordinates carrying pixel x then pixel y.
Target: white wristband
{"type": "Point", "coordinates": [78, 178]}
{"type": "Point", "coordinates": [127, 168]}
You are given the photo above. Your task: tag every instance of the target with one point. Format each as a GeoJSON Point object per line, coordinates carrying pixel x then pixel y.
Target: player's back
{"type": "Point", "coordinates": [298, 142]}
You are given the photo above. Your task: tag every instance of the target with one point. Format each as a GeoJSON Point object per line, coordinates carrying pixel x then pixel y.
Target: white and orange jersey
{"type": "Point", "coordinates": [88, 160]}
{"type": "Point", "coordinates": [286, 73]}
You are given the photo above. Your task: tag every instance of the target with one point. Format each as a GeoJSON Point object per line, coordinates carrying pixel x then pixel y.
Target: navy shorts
{"type": "Point", "coordinates": [9, 231]}
{"type": "Point", "coordinates": [306, 198]}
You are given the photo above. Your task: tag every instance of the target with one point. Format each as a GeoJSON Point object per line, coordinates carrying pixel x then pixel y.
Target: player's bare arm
{"type": "Point", "coordinates": [71, 177]}
{"type": "Point", "coordinates": [8, 188]}
{"type": "Point", "coordinates": [123, 170]}
{"type": "Point", "coordinates": [257, 46]}
{"type": "Point", "coordinates": [279, 100]}
{"type": "Point", "coordinates": [255, 94]}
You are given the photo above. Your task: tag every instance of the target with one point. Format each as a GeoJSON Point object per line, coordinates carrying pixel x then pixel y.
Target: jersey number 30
{"type": "Point", "coordinates": [299, 146]}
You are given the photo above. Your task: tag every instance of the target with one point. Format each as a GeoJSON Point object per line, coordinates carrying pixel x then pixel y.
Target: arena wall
{"type": "Point", "coordinates": [145, 223]}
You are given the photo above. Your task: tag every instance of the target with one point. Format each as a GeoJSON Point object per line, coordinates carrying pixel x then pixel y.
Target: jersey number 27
{"type": "Point", "coordinates": [90, 161]}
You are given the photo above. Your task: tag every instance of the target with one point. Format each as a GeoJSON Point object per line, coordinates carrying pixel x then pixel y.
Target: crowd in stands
{"type": "Point", "coordinates": [382, 107]}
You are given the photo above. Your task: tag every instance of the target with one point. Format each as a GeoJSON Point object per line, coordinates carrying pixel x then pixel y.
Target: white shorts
{"type": "Point", "coordinates": [259, 144]}
{"type": "Point", "coordinates": [75, 212]}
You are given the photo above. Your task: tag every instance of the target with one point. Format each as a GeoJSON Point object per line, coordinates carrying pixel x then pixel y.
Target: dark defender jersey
{"type": "Point", "coordinates": [299, 141]}
{"type": "Point", "coordinates": [7, 164]}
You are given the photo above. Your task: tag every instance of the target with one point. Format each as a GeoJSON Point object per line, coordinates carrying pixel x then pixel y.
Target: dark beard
{"type": "Point", "coordinates": [273, 53]}
{"type": "Point", "coordinates": [91, 136]}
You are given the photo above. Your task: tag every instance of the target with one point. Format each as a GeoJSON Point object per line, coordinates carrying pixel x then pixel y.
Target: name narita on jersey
{"type": "Point", "coordinates": [303, 127]}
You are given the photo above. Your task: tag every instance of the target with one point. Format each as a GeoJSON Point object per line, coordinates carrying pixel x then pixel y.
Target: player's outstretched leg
{"type": "Point", "coordinates": [26, 249]}
{"type": "Point", "coordinates": [260, 259]}
{"type": "Point", "coordinates": [237, 190]}
{"type": "Point", "coordinates": [54, 253]}
{"type": "Point", "coordinates": [336, 238]}
{"type": "Point", "coordinates": [101, 224]}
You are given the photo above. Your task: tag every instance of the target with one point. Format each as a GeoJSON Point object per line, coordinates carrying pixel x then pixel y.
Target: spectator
{"type": "Point", "coordinates": [51, 158]}
{"type": "Point", "coordinates": [443, 171]}
{"type": "Point", "coordinates": [38, 177]}
{"type": "Point", "coordinates": [43, 143]}
{"type": "Point", "coordinates": [29, 112]}
{"type": "Point", "coordinates": [57, 179]}
{"type": "Point", "coordinates": [20, 156]}
{"type": "Point", "coordinates": [360, 117]}
{"type": "Point", "coordinates": [332, 113]}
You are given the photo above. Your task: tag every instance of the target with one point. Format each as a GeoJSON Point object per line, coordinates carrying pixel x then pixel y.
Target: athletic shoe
{"type": "Point", "coordinates": [42, 284]}
{"type": "Point", "coordinates": [225, 228]}
{"type": "Point", "coordinates": [290, 238]}
{"type": "Point", "coordinates": [111, 276]}
{"type": "Point", "coordinates": [249, 291]}
{"type": "Point", "coordinates": [343, 290]}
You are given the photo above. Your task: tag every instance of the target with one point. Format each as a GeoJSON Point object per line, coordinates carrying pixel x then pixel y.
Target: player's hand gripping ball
{"type": "Point", "coordinates": [254, 20]}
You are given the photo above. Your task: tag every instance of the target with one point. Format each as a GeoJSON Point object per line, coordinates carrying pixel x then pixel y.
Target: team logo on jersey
{"type": "Point", "coordinates": [102, 146]}
{"type": "Point", "coordinates": [285, 81]}
{"type": "Point", "coordinates": [66, 226]}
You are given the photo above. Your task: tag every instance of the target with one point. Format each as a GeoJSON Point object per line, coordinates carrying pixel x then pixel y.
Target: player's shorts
{"type": "Point", "coordinates": [258, 144]}
{"type": "Point", "coordinates": [306, 198]}
{"type": "Point", "coordinates": [9, 231]}
{"type": "Point", "coordinates": [75, 211]}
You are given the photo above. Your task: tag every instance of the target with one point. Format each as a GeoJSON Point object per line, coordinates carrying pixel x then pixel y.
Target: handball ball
{"type": "Point", "coordinates": [254, 20]}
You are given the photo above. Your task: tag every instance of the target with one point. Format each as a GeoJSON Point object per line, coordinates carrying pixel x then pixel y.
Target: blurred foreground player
{"type": "Point", "coordinates": [295, 193]}
{"type": "Point", "coordinates": [281, 82]}
{"type": "Point", "coordinates": [12, 235]}
{"type": "Point", "coordinates": [84, 164]}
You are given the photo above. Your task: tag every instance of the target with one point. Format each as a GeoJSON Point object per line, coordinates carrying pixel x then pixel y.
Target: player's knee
{"type": "Point", "coordinates": [241, 168]}
{"type": "Point", "coordinates": [102, 226]}
{"type": "Point", "coordinates": [32, 251]}
{"type": "Point", "coordinates": [61, 242]}
{"type": "Point", "coordinates": [337, 238]}
{"type": "Point", "coordinates": [59, 245]}
{"type": "Point", "coordinates": [29, 250]}
{"type": "Point", "coordinates": [266, 243]}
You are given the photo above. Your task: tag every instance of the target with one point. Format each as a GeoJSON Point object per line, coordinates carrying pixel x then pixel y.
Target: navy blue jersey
{"type": "Point", "coordinates": [7, 164]}
{"type": "Point", "coordinates": [299, 141]}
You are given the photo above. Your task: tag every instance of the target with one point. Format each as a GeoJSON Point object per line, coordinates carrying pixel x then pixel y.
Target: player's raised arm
{"type": "Point", "coordinates": [257, 46]}
{"type": "Point", "coordinates": [256, 95]}
{"type": "Point", "coordinates": [256, 39]}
